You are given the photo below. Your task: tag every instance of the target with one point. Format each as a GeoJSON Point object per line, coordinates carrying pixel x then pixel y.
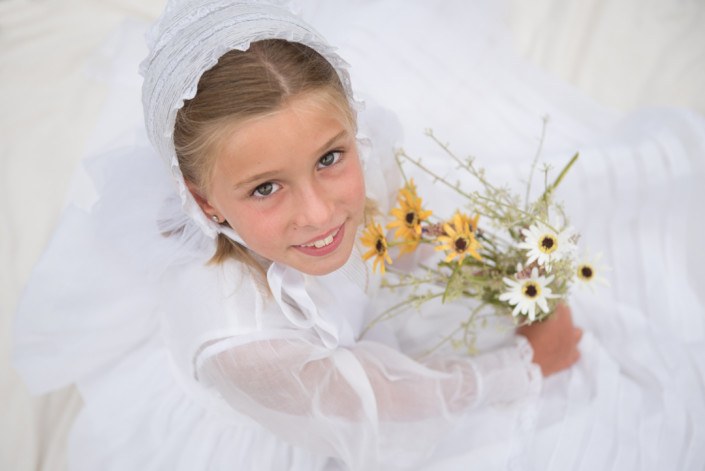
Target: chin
{"type": "Point", "coordinates": [320, 269]}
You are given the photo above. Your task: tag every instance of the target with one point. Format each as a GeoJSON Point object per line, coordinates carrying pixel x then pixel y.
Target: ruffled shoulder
{"type": "Point", "coordinates": [93, 294]}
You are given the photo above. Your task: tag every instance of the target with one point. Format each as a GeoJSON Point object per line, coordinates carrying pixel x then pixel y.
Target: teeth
{"type": "Point", "coordinates": [322, 242]}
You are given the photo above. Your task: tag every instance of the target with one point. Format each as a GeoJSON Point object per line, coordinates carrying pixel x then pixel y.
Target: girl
{"type": "Point", "coordinates": [225, 331]}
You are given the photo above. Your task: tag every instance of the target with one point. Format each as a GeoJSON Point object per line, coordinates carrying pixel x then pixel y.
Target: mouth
{"type": "Point", "coordinates": [324, 244]}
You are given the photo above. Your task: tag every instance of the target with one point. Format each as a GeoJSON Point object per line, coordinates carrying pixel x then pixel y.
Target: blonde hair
{"type": "Point", "coordinates": [241, 86]}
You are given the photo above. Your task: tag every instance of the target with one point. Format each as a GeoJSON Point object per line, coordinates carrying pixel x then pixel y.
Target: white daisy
{"type": "Point", "coordinates": [525, 294]}
{"type": "Point", "coordinates": [588, 271]}
{"type": "Point", "coordinates": [545, 246]}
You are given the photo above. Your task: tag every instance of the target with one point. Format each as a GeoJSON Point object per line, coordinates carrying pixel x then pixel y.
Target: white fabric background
{"type": "Point", "coordinates": [624, 53]}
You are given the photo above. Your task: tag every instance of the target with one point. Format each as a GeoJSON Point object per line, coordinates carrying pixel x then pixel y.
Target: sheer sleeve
{"type": "Point", "coordinates": [368, 405]}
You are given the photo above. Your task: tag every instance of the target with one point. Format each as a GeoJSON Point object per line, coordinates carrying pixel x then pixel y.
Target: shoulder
{"type": "Point", "coordinates": [199, 286]}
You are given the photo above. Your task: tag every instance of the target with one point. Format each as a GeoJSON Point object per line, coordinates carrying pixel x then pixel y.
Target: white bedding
{"type": "Point", "coordinates": [624, 54]}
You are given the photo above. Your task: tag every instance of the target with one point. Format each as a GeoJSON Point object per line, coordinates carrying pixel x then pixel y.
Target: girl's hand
{"type": "Point", "coordinates": [554, 341]}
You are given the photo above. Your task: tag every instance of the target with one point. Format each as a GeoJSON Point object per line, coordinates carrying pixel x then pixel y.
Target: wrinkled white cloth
{"type": "Point", "coordinates": [187, 366]}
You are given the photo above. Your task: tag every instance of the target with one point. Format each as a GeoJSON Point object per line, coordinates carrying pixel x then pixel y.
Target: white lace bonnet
{"type": "Point", "coordinates": [187, 40]}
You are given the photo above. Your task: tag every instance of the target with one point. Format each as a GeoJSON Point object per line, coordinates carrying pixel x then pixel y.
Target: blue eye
{"type": "Point", "coordinates": [330, 158]}
{"type": "Point", "coordinates": [265, 189]}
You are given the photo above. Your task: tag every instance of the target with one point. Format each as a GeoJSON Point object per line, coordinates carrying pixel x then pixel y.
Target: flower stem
{"type": "Point", "coordinates": [463, 326]}
{"type": "Point", "coordinates": [549, 191]}
{"type": "Point", "coordinates": [391, 312]}
{"type": "Point", "coordinates": [536, 160]}
{"type": "Point", "coordinates": [433, 174]}
{"type": "Point", "coordinates": [400, 166]}
{"type": "Point", "coordinates": [467, 166]}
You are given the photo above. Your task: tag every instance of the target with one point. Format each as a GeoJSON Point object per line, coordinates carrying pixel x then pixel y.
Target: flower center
{"type": "Point", "coordinates": [531, 289]}
{"type": "Point", "coordinates": [548, 243]}
{"type": "Point", "coordinates": [379, 246]}
{"type": "Point", "coordinates": [411, 218]}
{"type": "Point", "coordinates": [460, 244]}
{"type": "Point", "coordinates": [585, 272]}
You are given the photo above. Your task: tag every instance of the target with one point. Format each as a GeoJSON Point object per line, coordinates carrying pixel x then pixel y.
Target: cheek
{"type": "Point", "coordinates": [351, 186]}
{"type": "Point", "coordinates": [255, 226]}
{"type": "Point", "coordinates": [357, 193]}
{"type": "Point", "coordinates": [358, 196]}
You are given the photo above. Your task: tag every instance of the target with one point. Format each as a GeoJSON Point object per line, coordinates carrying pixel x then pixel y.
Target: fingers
{"type": "Point", "coordinates": [562, 309]}
{"type": "Point", "coordinates": [575, 354]}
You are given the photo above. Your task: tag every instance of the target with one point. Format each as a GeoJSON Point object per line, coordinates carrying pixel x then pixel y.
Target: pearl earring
{"type": "Point", "coordinates": [215, 219]}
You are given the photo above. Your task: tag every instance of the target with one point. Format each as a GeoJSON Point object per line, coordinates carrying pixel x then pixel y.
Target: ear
{"type": "Point", "coordinates": [206, 207]}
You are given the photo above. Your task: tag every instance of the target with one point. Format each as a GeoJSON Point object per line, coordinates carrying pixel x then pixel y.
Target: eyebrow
{"type": "Point", "coordinates": [272, 173]}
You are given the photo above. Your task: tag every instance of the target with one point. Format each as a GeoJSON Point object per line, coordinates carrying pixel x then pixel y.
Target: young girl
{"type": "Point", "coordinates": [219, 326]}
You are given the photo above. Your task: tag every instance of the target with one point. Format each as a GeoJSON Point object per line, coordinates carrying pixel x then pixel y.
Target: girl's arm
{"type": "Point", "coordinates": [368, 404]}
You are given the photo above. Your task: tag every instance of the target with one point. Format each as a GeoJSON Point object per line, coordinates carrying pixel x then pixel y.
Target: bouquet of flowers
{"type": "Point", "coordinates": [515, 257]}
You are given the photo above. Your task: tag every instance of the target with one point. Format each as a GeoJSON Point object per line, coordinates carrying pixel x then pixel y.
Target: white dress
{"type": "Point", "coordinates": [188, 366]}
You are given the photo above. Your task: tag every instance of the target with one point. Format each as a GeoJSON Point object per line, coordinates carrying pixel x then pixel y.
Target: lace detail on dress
{"type": "Point", "coordinates": [526, 420]}
{"type": "Point", "coordinates": [533, 371]}
{"type": "Point", "coordinates": [508, 375]}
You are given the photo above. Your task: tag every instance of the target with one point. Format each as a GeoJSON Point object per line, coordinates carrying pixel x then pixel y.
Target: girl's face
{"type": "Point", "coordinates": [290, 184]}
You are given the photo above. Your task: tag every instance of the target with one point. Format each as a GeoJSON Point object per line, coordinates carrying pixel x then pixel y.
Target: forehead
{"type": "Point", "coordinates": [299, 129]}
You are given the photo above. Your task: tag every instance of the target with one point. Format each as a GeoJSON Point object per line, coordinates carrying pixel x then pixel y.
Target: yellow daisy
{"type": "Point", "coordinates": [472, 222]}
{"type": "Point", "coordinates": [458, 240]}
{"type": "Point", "coordinates": [373, 237]}
{"type": "Point", "coordinates": [409, 215]}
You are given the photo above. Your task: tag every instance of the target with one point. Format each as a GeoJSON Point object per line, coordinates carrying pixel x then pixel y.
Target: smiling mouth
{"type": "Point", "coordinates": [320, 243]}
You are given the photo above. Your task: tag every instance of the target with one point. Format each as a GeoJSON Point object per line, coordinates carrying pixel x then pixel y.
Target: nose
{"type": "Point", "coordinates": [314, 206]}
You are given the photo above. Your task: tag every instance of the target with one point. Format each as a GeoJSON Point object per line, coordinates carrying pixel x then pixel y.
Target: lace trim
{"type": "Point", "coordinates": [528, 414]}
{"type": "Point", "coordinates": [532, 370]}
